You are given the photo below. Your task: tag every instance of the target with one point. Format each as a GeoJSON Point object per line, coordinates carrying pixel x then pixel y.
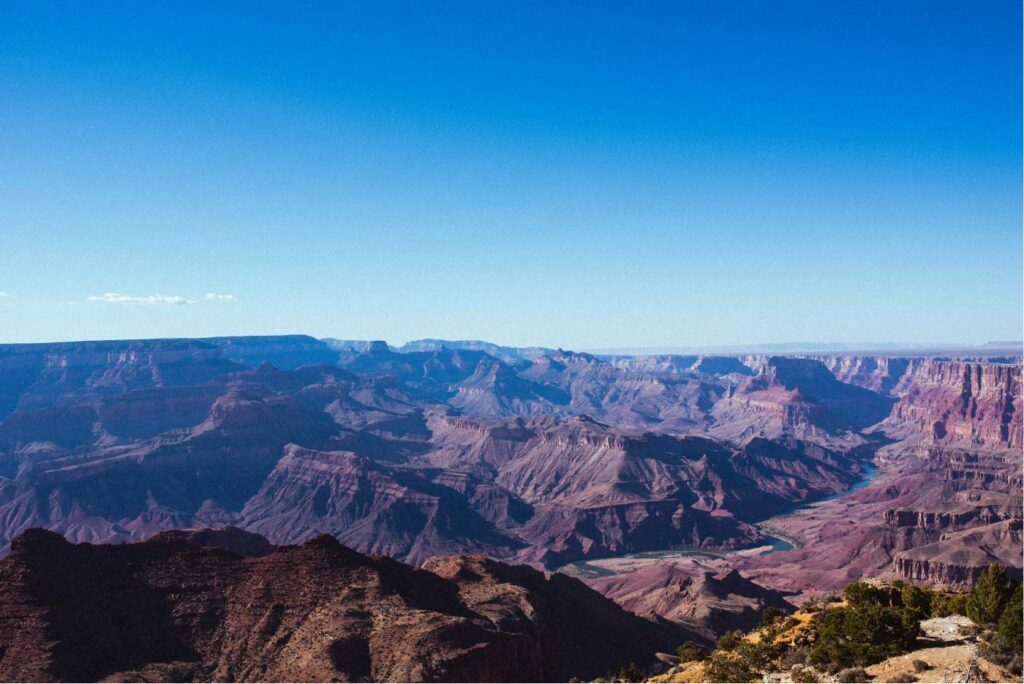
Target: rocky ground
{"type": "Point", "coordinates": [948, 652]}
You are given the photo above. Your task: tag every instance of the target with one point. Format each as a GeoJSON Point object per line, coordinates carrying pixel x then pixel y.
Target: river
{"type": "Point", "coordinates": [616, 565]}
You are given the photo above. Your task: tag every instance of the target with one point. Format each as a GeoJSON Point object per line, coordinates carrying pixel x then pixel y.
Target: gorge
{"type": "Point", "coordinates": [669, 477]}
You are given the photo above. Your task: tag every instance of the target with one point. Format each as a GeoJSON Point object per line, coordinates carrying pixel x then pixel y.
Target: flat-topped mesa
{"type": "Point", "coordinates": [944, 521]}
{"type": "Point", "coordinates": [378, 347]}
{"type": "Point", "coordinates": [583, 431]}
{"type": "Point", "coordinates": [999, 471]}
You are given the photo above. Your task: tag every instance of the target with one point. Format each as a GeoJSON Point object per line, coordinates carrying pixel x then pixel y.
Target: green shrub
{"type": "Point", "coordinates": [989, 595]}
{"type": "Point", "coordinates": [769, 616]}
{"type": "Point", "coordinates": [863, 634]}
{"type": "Point", "coordinates": [729, 640]}
{"type": "Point", "coordinates": [948, 604]}
{"type": "Point", "coordinates": [723, 668]}
{"type": "Point", "coordinates": [916, 599]}
{"type": "Point", "coordinates": [761, 655]}
{"type": "Point", "coordinates": [631, 673]}
{"type": "Point", "coordinates": [1011, 629]}
{"type": "Point", "coordinates": [902, 678]}
{"type": "Point", "coordinates": [920, 666]}
{"type": "Point", "coordinates": [688, 651]}
{"type": "Point", "coordinates": [1004, 646]}
{"type": "Point", "coordinates": [864, 594]}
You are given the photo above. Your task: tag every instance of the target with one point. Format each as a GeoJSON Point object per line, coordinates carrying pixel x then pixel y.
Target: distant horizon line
{"type": "Point", "coordinates": [991, 346]}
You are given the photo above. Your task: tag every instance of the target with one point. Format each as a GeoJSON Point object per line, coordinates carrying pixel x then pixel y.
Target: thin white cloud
{"type": "Point", "coordinates": [4, 295]}
{"type": "Point", "coordinates": [115, 298]}
{"type": "Point", "coordinates": [214, 297]}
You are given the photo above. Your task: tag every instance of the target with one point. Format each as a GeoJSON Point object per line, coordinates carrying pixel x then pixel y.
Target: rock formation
{"type": "Point", "coordinates": [959, 558]}
{"type": "Point", "coordinates": [534, 455]}
{"type": "Point", "coordinates": [177, 607]}
{"type": "Point", "coordinates": [703, 599]}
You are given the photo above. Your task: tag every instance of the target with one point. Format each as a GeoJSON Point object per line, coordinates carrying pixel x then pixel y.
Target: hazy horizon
{"type": "Point", "coordinates": [629, 176]}
{"type": "Point", "coordinates": [787, 347]}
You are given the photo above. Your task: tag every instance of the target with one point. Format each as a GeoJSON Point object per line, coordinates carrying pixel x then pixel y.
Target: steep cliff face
{"type": "Point", "coordinates": [38, 376]}
{"type": "Point", "coordinates": [796, 397]}
{"type": "Point", "coordinates": [922, 506]}
{"type": "Point", "coordinates": [177, 608]}
{"type": "Point", "coordinates": [959, 558]}
{"type": "Point", "coordinates": [964, 470]}
{"type": "Point", "coordinates": [942, 401]}
{"type": "Point", "coordinates": [959, 403]}
{"type": "Point", "coordinates": [877, 373]}
{"type": "Point", "coordinates": [370, 506]}
{"type": "Point", "coordinates": [944, 521]}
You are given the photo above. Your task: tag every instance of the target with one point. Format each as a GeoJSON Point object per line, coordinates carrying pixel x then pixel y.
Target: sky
{"type": "Point", "coordinates": [575, 174]}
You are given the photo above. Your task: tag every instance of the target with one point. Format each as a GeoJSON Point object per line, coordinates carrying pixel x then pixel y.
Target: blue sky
{"type": "Point", "coordinates": [573, 174]}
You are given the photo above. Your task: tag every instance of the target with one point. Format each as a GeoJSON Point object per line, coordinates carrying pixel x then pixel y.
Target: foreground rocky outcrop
{"type": "Point", "coordinates": [178, 607]}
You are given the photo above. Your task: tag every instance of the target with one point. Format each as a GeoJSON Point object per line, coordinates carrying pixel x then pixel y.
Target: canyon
{"type": "Point", "coordinates": [869, 465]}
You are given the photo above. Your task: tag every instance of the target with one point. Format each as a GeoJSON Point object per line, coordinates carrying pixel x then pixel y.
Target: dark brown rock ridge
{"type": "Point", "coordinates": [176, 608]}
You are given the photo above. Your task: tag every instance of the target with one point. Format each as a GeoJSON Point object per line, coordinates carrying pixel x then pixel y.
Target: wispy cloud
{"type": "Point", "coordinates": [115, 298]}
{"type": "Point", "coordinates": [4, 295]}
{"type": "Point", "coordinates": [214, 297]}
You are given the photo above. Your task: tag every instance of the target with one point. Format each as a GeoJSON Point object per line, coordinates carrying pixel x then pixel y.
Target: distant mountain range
{"type": "Point", "coordinates": [879, 348]}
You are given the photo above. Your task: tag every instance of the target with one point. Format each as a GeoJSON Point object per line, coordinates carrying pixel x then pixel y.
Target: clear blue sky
{"type": "Point", "coordinates": [577, 174]}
